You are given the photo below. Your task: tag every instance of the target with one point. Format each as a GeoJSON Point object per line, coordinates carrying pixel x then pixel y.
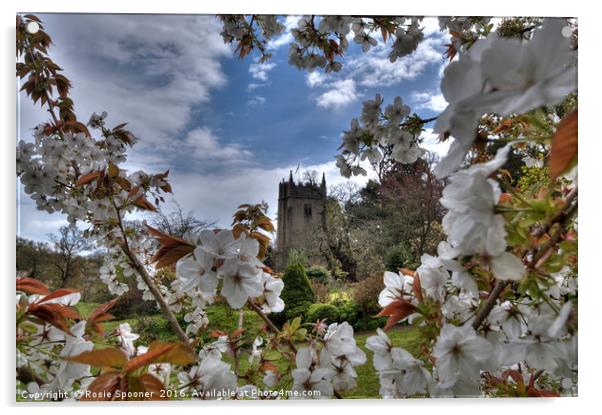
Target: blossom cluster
{"type": "Point", "coordinates": [327, 365]}
{"type": "Point", "coordinates": [378, 133]}
{"type": "Point", "coordinates": [219, 257]}
{"type": "Point", "coordinates": [503, 76]}
{"type": "Point", "coordinates": [319, 40]}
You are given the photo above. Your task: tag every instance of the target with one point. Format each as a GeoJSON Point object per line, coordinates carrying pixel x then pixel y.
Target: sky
{"type": "Point", "coordinates": [227, 129]}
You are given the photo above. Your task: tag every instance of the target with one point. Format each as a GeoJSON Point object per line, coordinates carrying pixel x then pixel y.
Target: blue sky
{"type": "Point", "coordinates": [227, 129]}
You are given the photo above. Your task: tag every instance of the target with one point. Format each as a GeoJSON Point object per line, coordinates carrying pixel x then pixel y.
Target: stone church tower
{"type": "Point", "coordinates": [300, 214]}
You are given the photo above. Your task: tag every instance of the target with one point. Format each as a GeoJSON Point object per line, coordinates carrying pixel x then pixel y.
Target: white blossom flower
{"type": "Point", "coordinates": [381, 346]}
{"type": "Point", "coordinates": [271, 378]}
{"type": "Point", "coordinates": [408, 373]}
{"type": "Point", "coordinates": [196, 271]}
{"type": "Point", "coordinates": [126, 338]}
{"type": "Point", "coordinates": [396, 111]}
{"type": "Point", "coordinates": [272, 288]}
{"type": "Point", "coordinates": [503, 76]}
{"type": "Point", "coordinates": [433, 277]}
{"type": "Point", "coordinates": [69, 371]}
{"type": "Point", "coordinates": [210, 378]}
{"type": "Point", "coordinates": [397, 287]}
{"type": "Point", "coordinates": [240, 284]}
{"type": "Point", "coordinates": [460, 352]}
{"type": "Point", "coordinates": [308, 377]}
{"type": "Point", "coordinates": [221, 244]}
{"type": "Point", "coordinates": [470, 196]}
{"type": "Point", "coordinates": [365, 40]}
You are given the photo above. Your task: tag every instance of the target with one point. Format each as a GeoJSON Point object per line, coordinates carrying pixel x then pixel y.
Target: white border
{"type": "Point", "coordinates": [589, 182]}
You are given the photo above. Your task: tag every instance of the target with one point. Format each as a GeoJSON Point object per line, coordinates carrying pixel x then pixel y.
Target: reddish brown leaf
{"type": "Point", "coordinates": [87, 178]}
{"type": "Point", "coordinates": [47, 314]}
{"type": "Point", "coordinates": [57, 294]}
{"type": "Point", "coordinates": [101, 314]}
{"type": "Point", "coordinates": [102, 309]}
{"type": "Point", "coordinates": [113, 170]}
{"type": "Point", "coordinates": [564, 145]}
{"type": "Point", "coordinates": [171, 250]}
{"type": "Point", "coordinates": [109, 357]}
{"type": "Point", "coordinates": [103, 388]}
{"type": "Point", "coordinates": [396, 311]}
{"type": "Point", "coordinates": [505, 198]}
{"type": "Point", "coordinates": [267, 365]}
{"type": "Point", "coordinates": [417, 287]}
{"type": "Point", "coordinates": [155, 351]}
{"type": "Point", "coordinates": [143, 203]}
{"type": "Point", "coordinates": [31, 286]}
{"type": "Point", "coordinates": [148, 383]}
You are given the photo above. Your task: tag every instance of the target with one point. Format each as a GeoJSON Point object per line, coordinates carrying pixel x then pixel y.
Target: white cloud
{"type": "Point", "coordinates": [339, 95]}
{"type": "Point", "coordinates": [253, 86]}
{"type": "Point", "coordinates": [290, 22]}
{"type": "Point", "coordinates": [374, 69]}
{"type": "Point", "coordinates": [147, 70]}
{"type": "Point", "coordinates": [430, 25]}
{"type": "Point", "coordinates": [216, 196]}
{"type": "Point", "coordinates": [431, 143]}
{"type": "Point", "coordinates": [314, 79]}
{"type": "Point", "coordinates": [205, 146]}
{"type": "Point", "coordinates": [429, 100]}
{"type": "Point", "coordinates": [260, 71]}
{"type": "Point", "coordinates": [256, 100]}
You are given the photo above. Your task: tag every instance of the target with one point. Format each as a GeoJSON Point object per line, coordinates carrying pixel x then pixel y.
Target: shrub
{"type": "Point", "coordinates": [297, 293]}
{"type": "Point", "coordinates": [320, 274]}
{"type": "Point", "coordinates": [299, 310]}
{"type": "Point", "coordinates": [327, 312]}
{"type": "Point", "coordinates": [349, 311]}
{"type": "Point", "coordinates": [365, 294]}
{"type": "Point", "coordinates": [153, 328]}
{"type": "Point", "coordinates": [369, 323]}
{"type": "Point", "coordinates": [131, 305]}
{"type": "Point", "coordinates": [296, 257]}
{"type": "Point", "coordinates": [399, 256]}
{"type": "Point", "coordinates": [321, 291]}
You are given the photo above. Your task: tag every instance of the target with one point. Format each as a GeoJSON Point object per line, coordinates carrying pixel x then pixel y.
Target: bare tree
{"type": "Point", "coordinates": [310, 176]}
{"type": "Point", "coordinates": [176, 223]}
{"type": "Point", "coordinates": [68, 243]}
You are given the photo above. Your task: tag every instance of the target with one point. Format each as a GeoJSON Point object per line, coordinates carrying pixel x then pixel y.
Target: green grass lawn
{"type": "Point", "coordinates": [155, 327]}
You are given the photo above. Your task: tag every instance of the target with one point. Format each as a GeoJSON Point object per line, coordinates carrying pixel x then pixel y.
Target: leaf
{"type": "Point", "coordinates": [181, 354]}
{"type": "Point", "coordinates": [47, 314]}
{"type": "Point", "coordinates": [265, 366]}
{"type": "Point", "coordinates": [564, 145]}
{"type": "Point", "coordinates": [102, 309]}
{"type": "Point", "coordinates": [109, 357]}
{"type": "Point", "coordinates": [101, 314]}
{"type": "Point", "coordinates": [171, 248]}
{"type": "Point", "coordinates": [62, 310]}
{"type": "Point", "coordinates": [396, 311]}
{"type": "Point", "coordinates": [87, 178]}
{"type": "Point", "coordinates": [149, 384]}
{"type": "Point", "coordinates": [103, 388]}
{"type": "Point", "coordinates": [417, 287]}
{"type": "Point", "coordinates": [159, 352]}
{"type": "Point", "coordinates": [113, 170]}
{"type": "Point", "coordinates": [57, 294]}
{"type": "Point", "coordinates": [31, 286]}
{"type": "Point", "coordinates": [144, 204]}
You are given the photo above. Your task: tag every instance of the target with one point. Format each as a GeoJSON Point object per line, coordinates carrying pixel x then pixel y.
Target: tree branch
{"type": "Point", "coordinates": [139, 268]}
{"type": "Point", "coordinates": [269, 323]}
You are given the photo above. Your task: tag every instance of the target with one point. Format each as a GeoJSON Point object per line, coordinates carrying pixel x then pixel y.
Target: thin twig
{"type": "Point", "coordinates": [149, 282]}
{"type": "Point", "coordinates": [489, 304]}
{"type": "Point", "coordinates": [269, 322]}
